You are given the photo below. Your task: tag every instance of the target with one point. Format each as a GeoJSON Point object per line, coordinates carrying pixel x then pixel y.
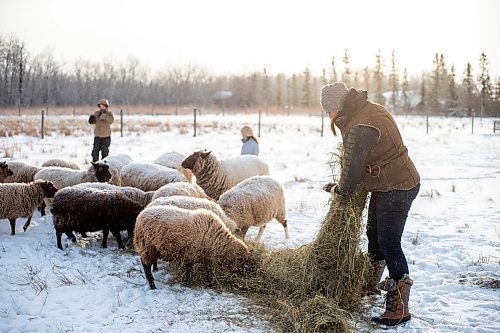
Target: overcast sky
{"type": "Point", "coordinates": [231, 36]}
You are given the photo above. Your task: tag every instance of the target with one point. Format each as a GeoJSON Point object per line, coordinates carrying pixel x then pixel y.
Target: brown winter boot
{"type": "Point", "coordinates": [396, 301]}
{"type": "Point", "coordinates": [371, 287]}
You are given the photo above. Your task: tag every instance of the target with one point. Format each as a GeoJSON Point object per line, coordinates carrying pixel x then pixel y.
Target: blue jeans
{"type": "Point", "coordinates": [387, 215]}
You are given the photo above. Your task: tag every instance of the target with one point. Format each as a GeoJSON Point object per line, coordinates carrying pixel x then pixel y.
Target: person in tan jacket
{"type": "Point", "coordinates": [102, 119]}
{"type": "Point", "coordinates": [376, 158]}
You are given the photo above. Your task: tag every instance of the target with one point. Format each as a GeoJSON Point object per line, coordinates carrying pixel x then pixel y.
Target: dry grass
{"type": "Point", "coordinates": [313, 288]}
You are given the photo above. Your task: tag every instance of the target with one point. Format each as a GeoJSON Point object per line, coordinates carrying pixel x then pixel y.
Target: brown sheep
{"type": "Point", "coordinates": [189, 237]}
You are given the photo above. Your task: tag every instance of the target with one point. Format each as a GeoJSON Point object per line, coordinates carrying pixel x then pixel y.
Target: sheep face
{"type": "Point", "coordinates": [49, 190]}
{"type": "Point", "coordinates": [4, 170]}
{"type": "Point", "coordinates": [102, 172]}
{"type": "Point", "coordinates": [194, 159]}
{"type": "Point", "coordinates": [243, 263]}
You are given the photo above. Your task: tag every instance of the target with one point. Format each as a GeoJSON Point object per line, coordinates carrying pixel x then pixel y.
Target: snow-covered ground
{"type": "Point", "coordinates": [451, 239]}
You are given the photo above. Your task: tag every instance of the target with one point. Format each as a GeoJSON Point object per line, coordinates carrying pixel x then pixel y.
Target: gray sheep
{"type": "Point", "coordinates": [22, 172]}
{"type": "Point", "coordinates": [86, 209]}
{"type": "Point", "coordinates": [4, 171]}
{"type": "Point", "coordinates": [64, 177]}
{"type": "Point", "coordinates": [174, 160]}
{"type": "Point", "coordinates": [21, 200]}
{"type": "Point", "coordinates": [149, 176]}
{"type": "Point", "coordinates": [216, 177]}
{"type": "Point", "coordinates": [116, 164]}
{"type": "Point", "coordinates": [188, 237]}
{"type": "Point", "coordinates": [254, 202]}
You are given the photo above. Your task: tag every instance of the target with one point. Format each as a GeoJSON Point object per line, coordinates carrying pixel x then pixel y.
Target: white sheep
{"type": "Point", "coordinates": [254, 202]}
{"type": "Point", "coordinates": [192, 204]}
{"type": "Point", "coordinates": [22, 172]}
{"type": "Point", "coordinates": [174, 160]}
{"type": "Point", "coordinates": [180, 188]}
{"type": "Point", "coordinates": [216, 177]}
{"type": "Point", "coordinates": [149, 176]}
{"type": "Point", "coordinates": [21, 200]}
{"type": "Point", "coordinates": [188, 237]}
{"type": "Point", "coordinates": [64, 177]}
{"type": "Point", "coordinates": [134, 194]}
{"type": "Point", "coordinates": [61, 163]}
{"type": "Point", "coordinates": [116, 164]}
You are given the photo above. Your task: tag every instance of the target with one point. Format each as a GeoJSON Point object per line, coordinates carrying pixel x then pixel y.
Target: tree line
{"type": "Point", "coordinates": [28, 80]}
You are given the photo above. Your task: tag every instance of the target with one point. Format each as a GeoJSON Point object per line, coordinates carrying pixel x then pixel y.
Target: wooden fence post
{"type": "Point", "coordinates": [121, 123]}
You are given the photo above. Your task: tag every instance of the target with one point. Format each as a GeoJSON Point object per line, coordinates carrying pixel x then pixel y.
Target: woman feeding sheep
{"type": "Point", "coordinates": [376, 158]}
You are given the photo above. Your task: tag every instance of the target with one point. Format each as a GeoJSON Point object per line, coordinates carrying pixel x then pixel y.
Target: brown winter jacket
{"type": "Point", "coordinates": [385, 166]}
{"type": "Point", "coordinates": [103, 121]}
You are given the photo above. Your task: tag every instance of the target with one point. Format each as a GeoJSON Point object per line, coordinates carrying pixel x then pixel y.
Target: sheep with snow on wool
{"type": "Point", "coordinates": [83, 209]}
{"type": "Point", "coordinates": [61, 163]}
{"type": "Point", "coordinates": [188, 237]}
{"type": "Point", "coordinates": [116, 164]}
{"type": "Point", "coordinates": [174, 160]}
{"type": "Point", "coordinates": [254, 202]}
{"type": "Point", "coordinates": [21, 200]}
{"type": "Point", "coordinates": [180, 188]}
{"type": "Point", "coordinates": [64, 177]}
{"type": "Point", "coordinates": [134, 194]}
{"type": "Point", "coordinates": [4, 171]}
{"type": "Point", "coordinates": [191, 203]}
{"type": "Point", "coordinates": [216, 177]}
{"type": "Point", "coordinates": [22, 172]}
{"type": "Point", "coordinates": [149, 176]}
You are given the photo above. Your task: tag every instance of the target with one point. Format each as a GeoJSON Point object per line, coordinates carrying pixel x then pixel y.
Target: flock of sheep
{"type": "Point", "coordinates": [166, 214]}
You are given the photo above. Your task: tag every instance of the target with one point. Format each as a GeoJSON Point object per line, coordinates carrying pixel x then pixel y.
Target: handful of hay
{"type": "Point", "coordinates": [312, 288]}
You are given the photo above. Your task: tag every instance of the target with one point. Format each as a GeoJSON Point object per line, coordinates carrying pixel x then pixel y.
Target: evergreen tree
{"type": "Point", "coordinates": [279, 97]}
{"type": "Point", "coordinates": [497, 91]}
{"type": "Point", "coordinates": [266, 93]}
{"type": "Point", "coordinates": [306, 89]}
{"type": "Point", "coordinates": [295, 97]}
{"type": "Point", "coordinates": [452, 89]}
{"type": "Point", "coordinates": [423, 95]}
{"type": "Point", "coordinates": [404, 92]}
{"type": "Point", "coordinates": [334, 71]}
{"type": "Point", "coordinates": [346, 74]}
{"type": "Point", "coordinates": [366, 78]}
{"type": "Point", "coordinates": [436, 78]}
{"type": "Point", "coordinates": [394, 82]}
{"type": "Point", "coordinates": [378, 78]}
{"type": "Point", "coordinates": [356, 82]}
{"type": "Point", "coordinates": [485, 83]}
{"type": "Point", "coordinates": [468, 84]}
{"type": "Point", "coordinates": [323, 77]}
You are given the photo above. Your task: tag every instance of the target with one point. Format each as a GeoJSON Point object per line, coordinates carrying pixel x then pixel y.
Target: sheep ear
{"type": "Point", "coordinates": [205, 154]}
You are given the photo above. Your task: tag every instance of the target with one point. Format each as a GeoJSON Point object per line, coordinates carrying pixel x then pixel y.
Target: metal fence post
{"type": "Point", "coordinates": [43, 117]}
{"type": "Point", "coordinates": [260, 114]}
{"type": "Point", "coordinates": [194, 125]}
{"type": "Point", "coordinates": [121, 123]}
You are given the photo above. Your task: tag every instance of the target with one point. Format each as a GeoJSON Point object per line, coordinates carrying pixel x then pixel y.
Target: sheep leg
{"type": "Point", "coordinates": [208, 274]}
{"type": "Point", "coordinates": [259, 234]}
{"type": "Point", "coordinates": [12, 226]}
{"type": "Point", "coordinates": [42, 208]}
{"type": "Point", "coordinates": [105, 234]}
{"type": "Point", "coordinates": [285, 225]}
{"type": "Point", "coordinates": [118, 237]}
{"type": "Point", "coordinates": [155, 266]}
{"type": "Point", "coordinates": [84, 234]}
{"type": "Point", "coordinates": [71, 236]}
{"type": "Point", "coordinates": [59, 243]}
{"type": "Point", "coordinates": [149, 275]}
{"type": "Point", "coordinates": [28, 222]}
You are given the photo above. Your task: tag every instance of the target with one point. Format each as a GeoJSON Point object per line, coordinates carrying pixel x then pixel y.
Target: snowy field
{"type": "Point", "coordinates": [451, 239]}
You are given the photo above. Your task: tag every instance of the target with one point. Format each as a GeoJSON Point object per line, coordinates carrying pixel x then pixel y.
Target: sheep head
{"type": "Point", "coordinates": [4, 170]}
{"type": "Point", "coordinates": [49, 190]}
{"type": "Point", "coordinates": [101, 172]}
{"type": "Point", "coordinates": [194, 159]}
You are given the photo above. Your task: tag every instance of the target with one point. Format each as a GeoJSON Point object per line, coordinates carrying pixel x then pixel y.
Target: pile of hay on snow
{"type": "Point", "coordinates": [315, 287]}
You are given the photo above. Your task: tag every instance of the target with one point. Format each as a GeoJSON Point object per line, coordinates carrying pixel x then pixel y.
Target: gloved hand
{"type": "Point", "coordinates": [330, 187]}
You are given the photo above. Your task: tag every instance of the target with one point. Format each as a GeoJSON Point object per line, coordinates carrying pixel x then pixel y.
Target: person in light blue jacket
{"type": "Point", "coordinates": [250, 142]}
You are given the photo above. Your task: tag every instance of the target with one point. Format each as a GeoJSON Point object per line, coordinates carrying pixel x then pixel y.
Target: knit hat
{"type": "Point", "coordinates": [332, 96]}
{"type": "Point", "coordinates": [103, 102]}
{"type": "Point", "coordinates": [246, 131]}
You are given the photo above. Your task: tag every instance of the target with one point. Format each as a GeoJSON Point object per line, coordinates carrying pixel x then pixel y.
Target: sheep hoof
{"type": "Point", "coordinates": [152, 286]}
